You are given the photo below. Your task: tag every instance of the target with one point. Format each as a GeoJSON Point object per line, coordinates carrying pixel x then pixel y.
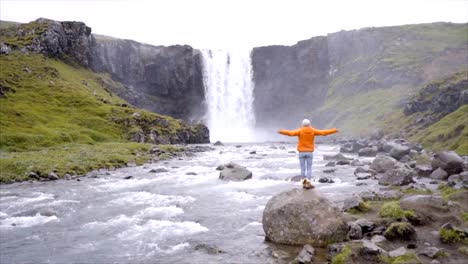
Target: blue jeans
{"type": "Point", "coordinates": [305, 159]}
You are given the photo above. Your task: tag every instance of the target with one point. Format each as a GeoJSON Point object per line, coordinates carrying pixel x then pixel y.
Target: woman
{"type": "Point", "coordinates": [306, 147]}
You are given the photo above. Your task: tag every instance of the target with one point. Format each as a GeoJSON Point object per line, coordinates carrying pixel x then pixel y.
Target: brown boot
{"type": "Point", "coordinates": [307, 185]}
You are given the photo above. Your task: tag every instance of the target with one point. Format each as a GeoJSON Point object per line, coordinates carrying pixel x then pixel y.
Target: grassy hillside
{"type": "Point", "coordinates": [379, 69]}
{"type": "Point", "coordinates": [54, 116]}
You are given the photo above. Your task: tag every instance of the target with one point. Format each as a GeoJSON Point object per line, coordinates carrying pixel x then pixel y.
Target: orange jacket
{"type": "Point", "coordinates": [307, 136]}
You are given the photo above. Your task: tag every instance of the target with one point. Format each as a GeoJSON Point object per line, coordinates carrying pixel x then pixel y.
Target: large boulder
{"type": "Point", "coordinates": [427, 207]}
{"type": "Point", "coordinates": [383, 163]}
{"type": "Point", "coordinates": [368, 152]}
{"type": "Point", "coordinates": [235, 172]}
{"type": "Point", "coordinates": [396, 177]}
{"type": "Point", "coordinates": [299, 217]}
{"type": "Point", "coordinates": [398, 151]}
{"type": "Point", "coordinates": [439, 174]}
{"type": "Point", "coordinates": [449, 161]}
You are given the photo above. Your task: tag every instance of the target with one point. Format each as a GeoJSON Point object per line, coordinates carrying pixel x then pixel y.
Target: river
{"type": "Point", "coordinates": [183, 215]}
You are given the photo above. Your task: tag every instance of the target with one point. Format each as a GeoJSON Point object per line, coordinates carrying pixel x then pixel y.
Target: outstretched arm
{"type": "Point", "coordinates": [290, 133]}
{"type": "Point", "coordinates": [325, 131]}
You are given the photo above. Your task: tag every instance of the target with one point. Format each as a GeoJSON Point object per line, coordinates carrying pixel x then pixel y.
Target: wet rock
{"type": "Point", "coordinates": [354, 231]}
{"type": "Point", "coordinates": [330, 164]}
{"type": "Point", "coordinates": [368, 152]}
{"type": "Point", "coordinates": [220, 168]}
{"type": "Point", "coordinates": [67, 177]}
{"type": "Point", "coordinates": [306, 255]}
{"type": "Point", "coordinates": [396, 177]}
{"type": "Point", "coordinates": [208, 249]}
{"type": "Point", "coordinates": [326, 180]}
{"type": "Point", "coordinates": [299, 217]}
{"type": "Point", "coordinates": [131, 163]}
{"type": "Point", "coordinates": [238, 146]}
{"type": "Point", "coordinates": [449, 161]}
{"type": "Point", "coordinates": [356, 163]}
{"type": "Point", "coordinates": [128, 177]}
{"type": "Point", "coordinates": [190, 173]}
{"type": "Point", "coordinates": [423, 170]}
{"type": "Point", "coordinates": [296, 178]}
{"type": "Point", "coordinates": [383, 163]}
{"type": "Point", "coordinates": [439, 174]}
{"type": "Point", "coordinates": [235, 172]}
{"type": "Point", "coordinates": [292, 152]}
{"type": "Point", "coordinates": [47, 212]}
{"type": "Point", "coordinates": [218, 143]}
{"type": "Point", "coordinates": [343, 162]}
{"type": "Point", "coordinates": [397, 252]}
{"type": "Point", "coordinates": [52, 176]}
{"type": "Point", "coordinates": [361, 184]}
{"type": "Point", "coordinates": [431, 252]}
{"type": "Point", "coordinates": [364, 170]}
{"type": "Point", "coordinates": [400, 231]}
{"type": "Point", "coordinates": [33, 175]}
{"type": "Point", "coordinates": [329, 171]}
{"type": "Point", "coordinates": [158, 170]}
{"type": "Point", "coordinates": [338, 156]}
{"type": "Point", "coordinates": [253, 152]}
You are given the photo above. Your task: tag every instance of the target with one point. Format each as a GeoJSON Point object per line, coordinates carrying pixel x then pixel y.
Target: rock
{"type": "Point", "coordinates": [131, 164]}
{"type": "Point", "coordinates": [338, 156]}
{"type": "Point", "coordinates": [368, 152]}
{"type": "Point", "coordinates": [326, 180]}
{"type": "Point", "coordinates": [33, 175]}
{"type": "Point", "coordinates": [158, 170]}
{"type": "Point", "coordinates": [405, 159]}
{"type": "Point", "coordinates": [354, 231]}
{"type": "Point", "coordinates": [361, 184]}
{"type": "Point", "coordinates": [356, 163]}
{"type": "Point", "coordinates": [439, 174]}
{"type": "Point", "coordinates": [423, 170]}
{"type": "Point", "coordinates": [364, 170]}
{"type": "Point", "coordinates": [328, 171]}
{"type": "Point", "coordinates": [190, 173]}
{"type": "Point", "coordinates": [253, 152]}
{"type": "Point", "coordinates": [306, 255]}
{"type": "Point", "coordinates": [399, 151]}
{"type": "Point", "coordinates": [343, 162]}
{"type": "Point", "coordinates": [128, 177]}
{"type": "Point", "coordinates": [238, 146]}
{"type": "Point", "coordinates": [427, 207]}
{"type": "Point", "coordinates": [4, 49]}
{"type": "Point", "coordinates": [378, 239]}
{"type": "Point", "coordinates": [385, 195]}
{"type": "Point", "coordinates": [366, 225]}
{"type": "Point", "coordinates": [299, 217]}
{"type": "Point", "coordinates": [383, 163]}
{"type": "Point", "coordinates": [292, 152]}
{"type": "Point", "coordinates": [369, 248]}
{"type": "Point", "coordinates": [52, 176]}
{"type": "Point", "coordinates": [449, 161]}
{"type": "Point", "coordinates": [211, 250]}
{"type": "Point", "coordinates": [235, 172]}
{"type": "Point", "coordinates": [218, 143]}
{"type": "Point", "coordinates": [355, 202]}
{"type": "Point", "coordinates": [67, 177]}
{"type": "Point", "coordinates": [220, 168]}
{"type": "Point", "coordinates": [431, 252]}
{"type": "Point", "coordinates": [296, 178]}
{"type": "Point", "coordinates": [397, 252]}
{"type": "Point", "coordinates": [330, 164]}
{"type": "Point", "coordinates": [396, 177]}
{"type": "Point", "coordinates": [400, 231]}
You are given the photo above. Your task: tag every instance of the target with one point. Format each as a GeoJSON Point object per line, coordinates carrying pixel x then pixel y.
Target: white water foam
{"type": "Point", "coordinates": [26, 221]}
{"type": "Point", "coordinates": [165, 212]}
{"type": "Point", "coordinates": [244, 197]}
{"type": "Point", "coordinates": [121, 220]}
{"type": "Point", "coordinates": [29, 200]}
{"type": "Point", "coordinates": [156, 200]}
{"type": "Point", "coordinates": [161, 229]}
{"type": "Point", "coordinates": [155, 248]}
{"type": "Point", "coordinates": [229, 95]}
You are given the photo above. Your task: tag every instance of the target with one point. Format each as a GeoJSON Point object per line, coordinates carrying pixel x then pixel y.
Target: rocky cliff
{"type": "Point", "coordinates": [167, 80]}
{"type": "Point", "coordinates": [353, 79]}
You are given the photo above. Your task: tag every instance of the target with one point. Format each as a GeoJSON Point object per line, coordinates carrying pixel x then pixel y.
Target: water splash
{"type": "Point", "coordinates": [229, 95]}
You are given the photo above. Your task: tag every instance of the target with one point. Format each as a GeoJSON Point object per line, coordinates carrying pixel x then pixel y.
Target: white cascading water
{"type": "Point", "coordinates": [229, 95]}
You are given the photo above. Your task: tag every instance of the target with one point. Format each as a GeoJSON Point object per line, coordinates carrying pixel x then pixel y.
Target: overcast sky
{"type": "Point", "coordinates": [233, 23]}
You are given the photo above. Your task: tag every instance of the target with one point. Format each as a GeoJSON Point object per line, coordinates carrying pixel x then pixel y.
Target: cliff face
{"type": "Point", "coordinates": [289, 81]}
{"type": "Point", "coordinates": [166, 80]}
{"type": "Point", "coordinates": [353, 79]}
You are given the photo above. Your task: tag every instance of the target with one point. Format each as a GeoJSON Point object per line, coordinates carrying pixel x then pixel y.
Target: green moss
{"type": "Point", "coordinates": [73, 159]}
{"type": "Point", "coordinates": [409, 258]}
{"type": "Point", "coordinates": [170, 148]}
{"type": "Point", "coordinates": [447, 191]}
{"type": "Point", "coordinates": [164, 156]}
{"type": "Point", "coordinates": [463, 250]}
{"type": "Point", "coordinates": [400, 231]}
{"type": "Point", "coordinates": [442, 254]}
{"type": "Point", "coordinates": [363, 208]}
{"type": "Point", "coordinates": [465, 217]}
{"type": "Point", "coordinates": [393, 210]}
{"type": "Point", "coordinates": [343, 256]}
{"type": "Point", "coordinates": [451, 236]}
{"type": "Point", "coordinates": [412, 191]}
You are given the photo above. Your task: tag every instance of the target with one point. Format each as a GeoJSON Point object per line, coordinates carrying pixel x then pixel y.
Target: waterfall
{"type": "Point", "coordinates": [229, 95]}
